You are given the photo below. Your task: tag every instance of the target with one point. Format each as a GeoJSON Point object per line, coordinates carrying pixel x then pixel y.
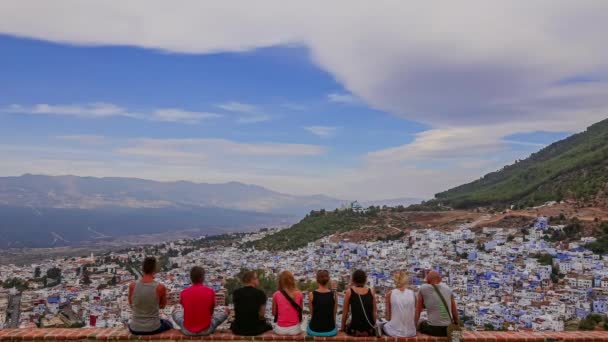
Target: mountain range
{"type": "Point", "coordinates": [90, 193]}
{"type": "Point", "coordinates": [41, 211]}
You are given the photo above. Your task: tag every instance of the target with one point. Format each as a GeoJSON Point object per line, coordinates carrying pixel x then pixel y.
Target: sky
{"type": "Point", "coordinates": [355, 100]}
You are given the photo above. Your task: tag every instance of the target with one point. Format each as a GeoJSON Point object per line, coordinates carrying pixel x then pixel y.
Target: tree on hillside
{"type": "Point", "coordinates": [54, 273]}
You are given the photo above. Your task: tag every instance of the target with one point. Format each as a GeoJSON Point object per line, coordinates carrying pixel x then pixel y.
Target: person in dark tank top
{"type": "Point", "coordinates": [360, 302]}
{"type": "Point", "coordinates": [323, 307]}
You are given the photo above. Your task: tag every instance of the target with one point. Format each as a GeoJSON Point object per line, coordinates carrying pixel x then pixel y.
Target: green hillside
{"type": "Point", "coordinates": [375, 223]}
{"type": "Point", "coordinates": [573, 168]}
{"type": "Point", "coordinates": [314, 226]}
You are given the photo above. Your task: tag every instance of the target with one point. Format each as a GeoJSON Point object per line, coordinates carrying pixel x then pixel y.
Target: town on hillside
{"type": "Point", "coordinates": [544, 276]}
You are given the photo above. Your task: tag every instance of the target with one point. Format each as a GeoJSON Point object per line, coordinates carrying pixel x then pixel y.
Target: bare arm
{"type": "Point", "coordinates": [131, 288]}
{"type": "Point", "coordinates": [335, 305]}
{"type": "Point", "coordinates": [387, 311]}
{"type": "Point", "coordinates": [375, 312]}
{"type": "Point", "coordinates": [454, 310]}
{"type": "Point", "coordinates": [345, 307]}
{"type": "Point", "coordinates": [419, 307]}
{"type": "Point", "coordinates": [161, 293]}
{"type": "Point", "coordinates": [310, 296]}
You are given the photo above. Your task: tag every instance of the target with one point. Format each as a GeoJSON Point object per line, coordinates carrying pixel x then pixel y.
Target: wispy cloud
{"type": "Point", "coordinates": [250, 113]}
{"type": "Point", "coordinates": [221, 147]}
{"type": "Point", "coordinates": [251, 119]}
{"type": "Point", "coordinates": [91, 110]}
{"type": "Point", "coordinates": [342, 98]}
{"type": "Point", "coordinates": [83, 138]}
{"type": "Point", "coordinates": [238, 107]}
{"type": "Point", "coordinates": [184, 116]}
{"type": "Point", "coordinates": [98, 110]}
{"type": "Point", "coordinates": [322, 131]}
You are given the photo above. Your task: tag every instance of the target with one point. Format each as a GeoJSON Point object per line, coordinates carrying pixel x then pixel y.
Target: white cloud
{"type": "Point", "coordinates": [475, 71]}
{"type": "Point", "coordinates": [184, 116]}
{"type": "Point", "coordinates": [92, 110]}
{"type": "Point", "coordinates": [103, 110]}
{"type": "Point", "coordinates": [222, 147]}
{"type": "Point", "coordinates": [250, 113]}
{"type": "Point", "coordinates": [342, 98]}
{"type": "Point", "coordinates": [322, 131]}
{"type": "Point", "coordinates": [253, 118]}
{"type": "Point", "coordinates": [83, 138]}
{"type": "Point", "coordinates": [238, 107]}
{"type": "Point", "coordinates": [461, 63]}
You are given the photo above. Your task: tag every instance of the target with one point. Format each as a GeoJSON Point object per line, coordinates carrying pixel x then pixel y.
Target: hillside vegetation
{"type": "Point", "coordinates": [312, 227]}
{"type": "Point", "coordinates": [574, 168]}
{"type": "Point", "coordinates": [376, 224]}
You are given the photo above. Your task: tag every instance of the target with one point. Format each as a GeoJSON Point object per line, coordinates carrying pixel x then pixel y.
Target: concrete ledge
{"type": "Point", "coordinates": [116, 334]}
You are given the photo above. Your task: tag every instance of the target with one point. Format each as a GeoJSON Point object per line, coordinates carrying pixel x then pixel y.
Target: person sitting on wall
{"type": "Point", "coordinates": [198, 301]}
{"type": "Point", "coordinates": [360, 302]}
{"type": "Point", "coordinates": [287, 305]}
{"type": "Point", "coordinates": [146, 298]}
{"type": "Point", "coordinates": [249, 307]}
{"type": "Point", "coordinates": [440, 306]}
{"type": "Point", "coordinates": [323, 306]}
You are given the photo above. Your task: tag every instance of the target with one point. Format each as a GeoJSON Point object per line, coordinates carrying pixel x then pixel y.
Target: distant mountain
{"type": "Point", "coordinates": [91, 193]}
{"type": "Point", "coordinates": [573, 168]}
{"type": "Point", "coordinates": [43, 211]}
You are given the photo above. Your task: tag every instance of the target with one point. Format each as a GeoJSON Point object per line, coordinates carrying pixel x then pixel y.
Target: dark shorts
{"type": "Point", "coordinates": [433, 330]}
{"type": "Point", "coordinates": [258, 329]}
{"type": "Point", "coordinates": [164, 326]}
{"type": "Point", "coordinates": [369, 332]}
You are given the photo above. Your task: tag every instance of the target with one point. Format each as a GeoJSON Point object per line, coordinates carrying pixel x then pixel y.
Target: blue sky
{"type": "Point", "coordinates": [329, 108]}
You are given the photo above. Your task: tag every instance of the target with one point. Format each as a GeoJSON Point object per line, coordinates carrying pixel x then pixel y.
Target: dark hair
{"type": "Point", "coordinates": [322, 277]}
{"type": "Point", "coordinates": [359, 277]}
{"type": "Point", "coordinates": [149, 265]}
{"type": "Point", "coordinates": [248, 277]}
{"type": "Point", "coordinates": [197, 275]}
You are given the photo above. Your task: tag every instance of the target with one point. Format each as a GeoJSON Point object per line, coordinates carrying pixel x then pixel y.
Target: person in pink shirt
{"type": "Point", "coordinates": [287, 306]}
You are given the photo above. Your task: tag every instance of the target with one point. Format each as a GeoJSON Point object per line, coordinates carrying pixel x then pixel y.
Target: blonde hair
{"type": "Point", "coordinates": [401, 279]}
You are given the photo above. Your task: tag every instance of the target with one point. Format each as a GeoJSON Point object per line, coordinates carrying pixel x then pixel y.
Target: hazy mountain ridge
{"type": "Point", "coordinates": [91, 192]}
{"type": "Point", "coordinates": [43, 211]}
{"type": "Point", "coordinates": [573, 168]}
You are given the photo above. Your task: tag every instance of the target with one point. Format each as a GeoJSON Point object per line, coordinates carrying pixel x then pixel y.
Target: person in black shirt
{"type": "Point", "coordinates": [360, 302]}
{"type": "Point", "coordinates": [323, 306]}
{"type": "Point", "coordinates": [249, 308]}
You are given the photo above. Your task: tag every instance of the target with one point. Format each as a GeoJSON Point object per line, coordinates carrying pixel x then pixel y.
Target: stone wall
{"type": "Point", "coordinates": [115, 334]}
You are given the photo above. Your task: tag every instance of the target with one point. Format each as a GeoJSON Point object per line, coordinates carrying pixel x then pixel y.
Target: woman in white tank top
{"type": "Point", "coordinates": [400, 309]}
